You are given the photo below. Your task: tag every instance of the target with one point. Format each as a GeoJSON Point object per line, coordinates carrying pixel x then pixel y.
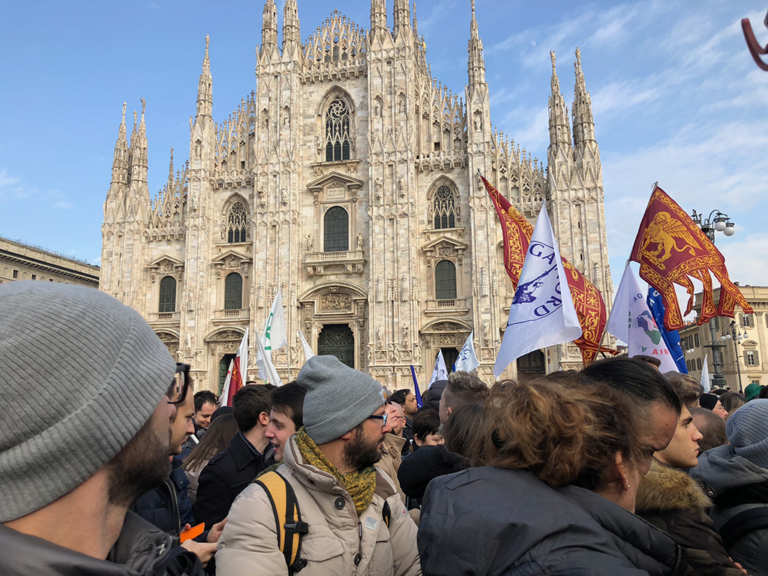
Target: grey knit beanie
{"type": "Point", "coordinates": [80, 374]}
{"type": "Point", "coordinates": [339, 398]}
{"type": "Point", "coordinates": [747, 431]}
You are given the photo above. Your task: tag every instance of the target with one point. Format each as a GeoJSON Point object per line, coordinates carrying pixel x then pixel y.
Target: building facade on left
{"type": "Point", "coordinates": [20, 261]}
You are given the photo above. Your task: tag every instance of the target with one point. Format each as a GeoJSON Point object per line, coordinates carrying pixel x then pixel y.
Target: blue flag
{"type": "Point", "coordinates": [419, 402]}
{"type": "Point", "coordinates": [671, 339]}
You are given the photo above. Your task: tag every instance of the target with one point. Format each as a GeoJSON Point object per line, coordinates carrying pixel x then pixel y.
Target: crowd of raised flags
{"type": "Point", "coordinates": [545, 310]}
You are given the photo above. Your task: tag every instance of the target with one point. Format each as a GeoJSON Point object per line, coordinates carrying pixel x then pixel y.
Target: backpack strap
{"type": "Point", "coordinates": [386, 513]}
{"type": "Point", "coordinates": [285, 507]}
{"type": "Point", "coordinates": [743, 523]}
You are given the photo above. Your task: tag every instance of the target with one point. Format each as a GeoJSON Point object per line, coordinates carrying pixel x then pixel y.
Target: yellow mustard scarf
{"type": "Point", "coordinates": [360, 484]}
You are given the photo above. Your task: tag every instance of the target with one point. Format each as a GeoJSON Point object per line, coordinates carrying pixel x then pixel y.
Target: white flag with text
{"type": "Point", "coordinates": [267, 370]}
{"type": "Point", "coordinates": [542, 312]}
{"type": "Point", "coordinates": [467, 360]}
{"type": "Point", "coordinates": [439, 372]}
{"type": "Point", "coordinates": [632, 322]}
{"type": "Point", "coordinates": [274, 336]}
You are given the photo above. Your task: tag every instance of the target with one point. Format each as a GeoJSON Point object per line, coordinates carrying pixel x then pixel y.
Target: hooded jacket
{"type": "Point", "coordinates": [493, 521]}
{"type": "Point", "coordinates": [736, 484]}
{"type": "Point", "coordinates": [675, 503]}
{"type": "Point", "coordinates": [391, 460]}
{"type": "Point", "coordinates": [140, 550]}
{"type": "Point", "coordinates": [337, 535]}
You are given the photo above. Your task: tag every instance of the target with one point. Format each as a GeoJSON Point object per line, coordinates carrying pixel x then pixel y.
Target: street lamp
{"type": "Point", "coordinates": [716, 222]}
{"type": "Point", "coordinates": [737, 338]}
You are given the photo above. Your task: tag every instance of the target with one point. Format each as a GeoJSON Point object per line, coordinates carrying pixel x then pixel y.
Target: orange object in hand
{"type": "Point", "coordinates": [192, 533]}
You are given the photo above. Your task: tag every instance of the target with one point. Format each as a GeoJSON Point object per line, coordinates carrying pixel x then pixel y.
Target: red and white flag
{"type": "Point", "coordinates": [238, 373]}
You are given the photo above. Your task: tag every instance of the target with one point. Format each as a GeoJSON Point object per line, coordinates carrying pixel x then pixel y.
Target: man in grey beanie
{"type": "Point", "coordinates": [736, 477]}
{"type": "Point", "coordinates": [352, 518]}
{"type": "Point", "coordinates": [89, 386]}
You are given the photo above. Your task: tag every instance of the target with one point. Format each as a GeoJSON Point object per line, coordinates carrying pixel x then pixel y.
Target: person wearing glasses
{"type": "Point", "coordinates": [356, 521]}
{"type": "Point", "coordinates": [90, 386]}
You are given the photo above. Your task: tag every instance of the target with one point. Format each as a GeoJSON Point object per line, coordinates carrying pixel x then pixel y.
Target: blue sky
{"type": "Point", "coordinates": [676, 98]}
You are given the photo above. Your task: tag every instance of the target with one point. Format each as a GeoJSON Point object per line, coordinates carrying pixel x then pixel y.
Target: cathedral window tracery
{"type": "Point", "coordinates": [236, 223]}
{"type": "Point", "coordinates": [337, 131]}
{"type": "Point", "coordinates": [233, 292]}
{"type": "Point", "coordinates": [336, 226]}
{"type": "Point", "coordinates": [445, 280]}
{"type": "Point", "coordinates": [167, 295]}
{"type": "Point", "coordinates": [443, 208]}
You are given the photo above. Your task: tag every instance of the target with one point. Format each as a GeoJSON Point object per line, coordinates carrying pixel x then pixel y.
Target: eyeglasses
{"type": "Point", "coordinates": [180, 385]}
{"type": "Point", "coordinates": [382, 417]}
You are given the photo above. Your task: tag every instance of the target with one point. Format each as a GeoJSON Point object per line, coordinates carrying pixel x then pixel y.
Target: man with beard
{"type": "Point", "coordinates": [92, 390]}
{"type": "Point", "coordinates": [357, 523]}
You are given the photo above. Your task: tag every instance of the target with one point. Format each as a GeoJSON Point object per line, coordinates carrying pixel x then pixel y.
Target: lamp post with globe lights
{"type": "Point", "coordinates": [737, 337]}
{"type": "Point", "coordinates": [716, 222]}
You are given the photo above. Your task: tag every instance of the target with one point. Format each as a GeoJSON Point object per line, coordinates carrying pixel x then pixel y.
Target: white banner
{"type": "Point", "coordinates": [632, 322]}
{"type": "Point", "coordinates": [542, 312]}
{"type": "Point", "coordinates": [439, 372]}
{"type": "Point", "coordinates": [467, 360]}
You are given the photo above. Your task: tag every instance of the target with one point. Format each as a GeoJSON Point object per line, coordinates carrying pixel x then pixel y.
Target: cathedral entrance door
{"type": "Point", "coordinates": [449, 355]}
{"type": "Point", "coordinates": [532, 364]}
{"type": "Point", "coordinates": [223, 368]}
{"type": "Point", "coordinates": [337, 340]}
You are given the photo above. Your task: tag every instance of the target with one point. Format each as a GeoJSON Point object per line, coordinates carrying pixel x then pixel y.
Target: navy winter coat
{"type": "Point", "coordinates": [493, 521]}
{"type": "Point", "coordinates": [168, 506]}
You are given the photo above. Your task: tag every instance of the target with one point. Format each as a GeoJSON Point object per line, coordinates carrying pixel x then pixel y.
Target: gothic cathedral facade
{"type": "Point", "coordinates": [349, 181]}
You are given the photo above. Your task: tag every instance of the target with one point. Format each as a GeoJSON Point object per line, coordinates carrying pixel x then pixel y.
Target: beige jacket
{"type": "Point", "coordinates": [248, 545]}
{"type": "Point", "coordinates": [391, 460]}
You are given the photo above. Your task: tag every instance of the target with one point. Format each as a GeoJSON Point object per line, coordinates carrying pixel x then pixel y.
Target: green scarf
{"type": "Point", "coordinates": [360, 484]}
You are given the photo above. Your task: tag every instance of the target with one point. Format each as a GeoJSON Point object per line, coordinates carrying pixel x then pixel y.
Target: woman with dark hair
{"type": "Point", "coordinates": [554, 492]}
{"type": "Point", "coordinates": [461, 433]}
{"type": "Point", "coordinates": [426, 428]}
{"type": "Point", "coordinates": [219, 435]}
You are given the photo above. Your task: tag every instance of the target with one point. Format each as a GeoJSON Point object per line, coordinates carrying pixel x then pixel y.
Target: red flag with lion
{"type": "Point", "coordinates": [671, 249]}
{"type": "Point", "coordinates": [586, 298]}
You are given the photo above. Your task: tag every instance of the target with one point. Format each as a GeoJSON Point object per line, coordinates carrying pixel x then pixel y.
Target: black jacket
{"type": "Point", "coordinates": [493, 521]}
{"type": "Point", "coordinates": [140, 550]}
{"type": "Point", "coordinates": [426, 463]}
{"type": "Point", "coordinates": [225, 476]}
{"type": "Point", "coordinates": [168, 506]}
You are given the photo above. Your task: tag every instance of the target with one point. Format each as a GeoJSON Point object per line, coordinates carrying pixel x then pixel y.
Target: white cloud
{"type": "Point", "coordinates": [443, 9]}
{"type": "Point", "coordinates": [6, 179]}
{"type": "Point", "coordinates": [62, 205]}
{"type": "Point", "coordinates": [746, 259]}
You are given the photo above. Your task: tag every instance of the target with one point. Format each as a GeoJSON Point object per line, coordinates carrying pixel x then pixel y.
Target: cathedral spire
{"type": "Point", "coordinates": [415, 24]}
{"type": "Point", "coordinates": [138, 169]}
{"type": "Point", "coordinates": [378, 18]}
{"type": "Point", "coordinates": [269, 27]}
{"type": "Point", "coordinates": [291, 30]}
{"type": "Point", "coordinates": [205, 87]}
{"type": "Point", "coordinates": [583, 121]}
{"type": "Point", "coordinates": [402, 17]}
{"type": "Point", "coordinates": [475, 61]}
{"type": "Point", "coordinates": [559, 131]}
{"type": "Point", "coordinates": [120, 159]}
{"type": "Point", "coordinates": [170, 169]}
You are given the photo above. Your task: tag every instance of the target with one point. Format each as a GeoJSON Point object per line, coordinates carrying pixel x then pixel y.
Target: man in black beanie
{"type": "Point", "coordinates": [92, 386]}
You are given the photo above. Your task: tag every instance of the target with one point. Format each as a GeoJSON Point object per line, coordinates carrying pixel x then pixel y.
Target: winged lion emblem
{"type": "Point", "coordinates": [664, 232]}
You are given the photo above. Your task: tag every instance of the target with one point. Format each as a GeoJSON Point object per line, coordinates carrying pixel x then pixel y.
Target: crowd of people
{"type": "Point", "coordinates": [112, 464]}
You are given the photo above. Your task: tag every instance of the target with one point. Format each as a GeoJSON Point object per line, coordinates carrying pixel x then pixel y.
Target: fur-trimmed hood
{"type": "Point", "coordinates": [665, 488]}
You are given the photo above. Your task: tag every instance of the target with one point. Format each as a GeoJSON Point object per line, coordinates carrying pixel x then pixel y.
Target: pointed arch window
{"type": "Point", "coordinates": [236, 223]}
{"type": "Point", "coordinates": [445, 280]}
{"type": "Point", "coordinates": [233, 292]}
{"type": "Point", "coordinates": [337, 131]}
{"type": "Point", "coordinates": [336, 227]}
{"type": "Point", "coordinates": [444, 208]}
{"type": "Point", "coordinates": [167, 295]}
